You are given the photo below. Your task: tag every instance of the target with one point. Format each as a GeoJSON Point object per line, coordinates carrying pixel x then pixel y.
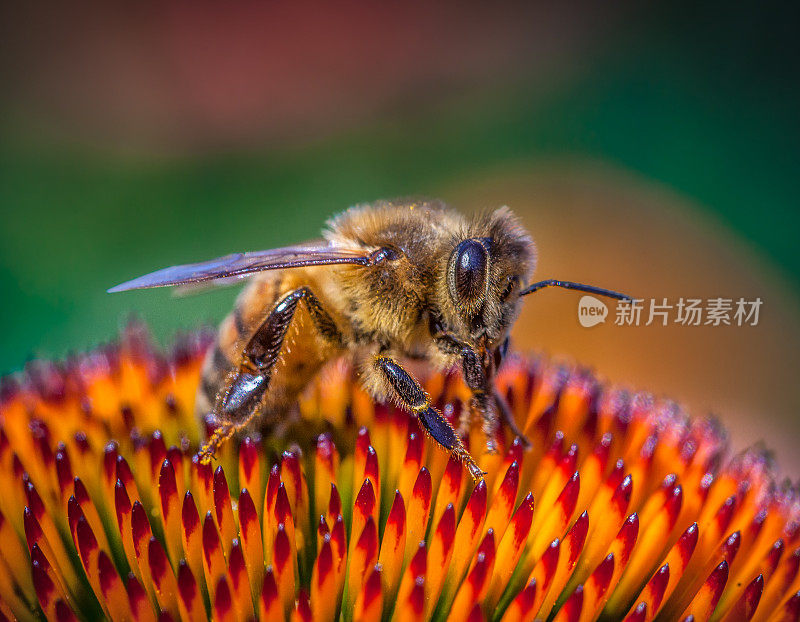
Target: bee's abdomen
{"type": "Point", "coordinates": [217, 366]}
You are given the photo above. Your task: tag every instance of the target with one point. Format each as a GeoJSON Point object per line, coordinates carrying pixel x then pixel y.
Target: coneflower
{"type": "Point", "coordinates": [621, 508]}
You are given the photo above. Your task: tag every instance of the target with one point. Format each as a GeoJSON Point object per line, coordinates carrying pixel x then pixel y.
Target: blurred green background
{"type": "Point", "coordinates": [181, 132]}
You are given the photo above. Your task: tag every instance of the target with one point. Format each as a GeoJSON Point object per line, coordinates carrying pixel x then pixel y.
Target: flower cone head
{"type": "Point", "coordinates": [620, 507]}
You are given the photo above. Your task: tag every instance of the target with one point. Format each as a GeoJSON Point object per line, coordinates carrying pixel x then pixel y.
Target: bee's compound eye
{"type": "Point", "coordinates": [470, 270]}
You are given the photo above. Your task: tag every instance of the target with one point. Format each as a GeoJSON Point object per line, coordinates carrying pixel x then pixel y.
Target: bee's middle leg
{"type": "Point", "coordinates": [246, 386]}
{"type": "Point", "coordinates": [412, 397]}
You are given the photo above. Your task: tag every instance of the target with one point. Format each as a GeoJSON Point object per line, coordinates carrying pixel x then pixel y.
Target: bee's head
{"type": "Point", "coordinates": [485, 270]}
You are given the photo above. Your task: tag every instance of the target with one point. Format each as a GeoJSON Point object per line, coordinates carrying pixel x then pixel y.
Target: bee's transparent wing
{"type": "Point", "coordinates": [239, 265]}
{"type": "Point", "coordinates": [191, 289]}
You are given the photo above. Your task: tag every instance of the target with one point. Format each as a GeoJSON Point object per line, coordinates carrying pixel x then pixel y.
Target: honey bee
{"type": "Point", "coordinates": [389, 281]}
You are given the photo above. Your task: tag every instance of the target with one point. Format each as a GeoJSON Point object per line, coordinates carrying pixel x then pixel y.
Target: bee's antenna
{"type": "Point", "coordinates": [589, 289]}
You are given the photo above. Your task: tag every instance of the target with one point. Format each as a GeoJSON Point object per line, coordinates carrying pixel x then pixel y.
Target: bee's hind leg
{"type": "Point", "coordinates": [245, 388]}
{"type": "Point", "coordinates": [236, 406]}
{"type": "Point", "coordinates": [412, 397]}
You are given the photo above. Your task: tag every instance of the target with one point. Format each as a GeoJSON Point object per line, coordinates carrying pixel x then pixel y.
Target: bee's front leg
{"type": "Point", "coordinates": [508, 417]}
{"type": "Point", "coordinates": [486, 400]}
{"type": "Point", "coordinates": [482, 401]}
{"type": "Point", "coordinates": [246, 386]}
{"type": "Point", "coordinates": [412, 397]}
